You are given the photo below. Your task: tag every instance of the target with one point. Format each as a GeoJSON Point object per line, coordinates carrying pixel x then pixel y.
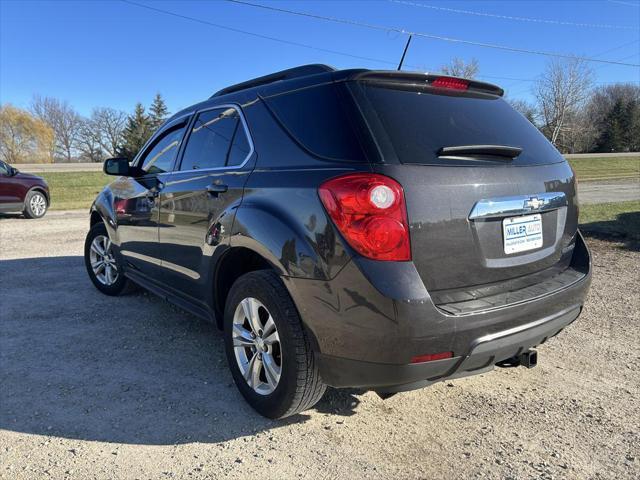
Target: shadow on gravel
{"type": "Point", "coordinates": [624, 229]}
{"type": "Point", "coordinates": [77, 364]}
{"type": "Point", "coordinates": [12, 215]}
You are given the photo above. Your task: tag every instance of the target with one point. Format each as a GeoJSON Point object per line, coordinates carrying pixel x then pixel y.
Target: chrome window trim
{"type": "Point", "coordinates": [217, 169]}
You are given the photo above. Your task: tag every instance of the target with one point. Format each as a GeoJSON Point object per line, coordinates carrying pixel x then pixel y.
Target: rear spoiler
{"type": "Point", "coordinates": [422, 80]}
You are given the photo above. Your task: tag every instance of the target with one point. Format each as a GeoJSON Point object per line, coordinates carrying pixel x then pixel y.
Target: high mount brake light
{"type": "Point", "coordinates": [369, 211]}
{"type": "Point", "coordinates": [450, 83]}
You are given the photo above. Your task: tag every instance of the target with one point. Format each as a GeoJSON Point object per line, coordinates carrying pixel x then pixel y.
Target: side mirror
{"type": "Point", "coordinates": [13, 172]}
{"type": "Point", "coordinates": [117, 166]}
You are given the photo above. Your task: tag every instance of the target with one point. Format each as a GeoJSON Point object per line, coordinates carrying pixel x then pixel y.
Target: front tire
{"type": "Point", "coordinates": [269, 354]}
{"type": "Point", "coordinates": [103, 265]}
{"type": "Point", "coordinates": [35, 205]}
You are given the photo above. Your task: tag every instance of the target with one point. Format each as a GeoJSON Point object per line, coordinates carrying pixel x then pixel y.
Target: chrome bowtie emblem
{"type": "Point", "coordinates": [533, 203]}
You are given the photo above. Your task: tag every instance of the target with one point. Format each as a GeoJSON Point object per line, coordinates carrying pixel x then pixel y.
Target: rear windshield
{"type": "Point", "coordinates": [413, 126]}
{"type": "Point", "coordinates": [316, 117]}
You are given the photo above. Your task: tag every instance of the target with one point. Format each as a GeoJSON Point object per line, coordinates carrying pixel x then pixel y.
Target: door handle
{"type": "Point", "coordinates": [216, 188]}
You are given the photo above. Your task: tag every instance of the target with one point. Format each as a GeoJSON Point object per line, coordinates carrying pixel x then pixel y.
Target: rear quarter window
{"type": "Point", "coordinates": [317, 118]}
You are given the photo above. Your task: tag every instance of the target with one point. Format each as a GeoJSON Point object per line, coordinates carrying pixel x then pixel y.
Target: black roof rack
{"type": "Point", "coordinates": [301, 71]}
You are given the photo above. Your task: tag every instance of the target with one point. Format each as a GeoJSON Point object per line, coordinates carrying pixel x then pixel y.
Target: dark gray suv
{"type": "Point", "coordinates": [354, 228]}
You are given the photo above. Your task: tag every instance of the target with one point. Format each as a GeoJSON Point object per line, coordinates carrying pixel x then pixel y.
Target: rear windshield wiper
{"type": "Point", "coordinates": [480, 150]}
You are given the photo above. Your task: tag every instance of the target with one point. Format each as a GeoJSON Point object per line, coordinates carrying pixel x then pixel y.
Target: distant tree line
{"type": "Point", "coordinates": [52, 131]}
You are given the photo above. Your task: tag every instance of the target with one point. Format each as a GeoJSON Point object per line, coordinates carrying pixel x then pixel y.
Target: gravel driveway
{"type": "Point", "coordinates": [131, 387]}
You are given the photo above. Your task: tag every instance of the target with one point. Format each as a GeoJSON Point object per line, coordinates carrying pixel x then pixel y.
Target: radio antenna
{"type": "Point", "coordinates": [406, 47]}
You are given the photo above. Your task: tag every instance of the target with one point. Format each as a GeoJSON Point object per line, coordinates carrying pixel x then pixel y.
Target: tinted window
{"type": "Point", "coordinates": [4, 168]}
{"type": "Point", "coordinates": [217, 139]}
{"type": "Point", "coordinates": [317, 118]}
{"type": "Point", "coordinates": [240, 147]}
{"type": "Point", "coordinates": [160, 158]}
{"type": "Point", "coordinates": [417, 124]}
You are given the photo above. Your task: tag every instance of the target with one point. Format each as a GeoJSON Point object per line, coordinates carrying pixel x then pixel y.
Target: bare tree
{"type": "Point", "coordinates": [528, 110]}
{"type": "Point", "coordinates": [109, 124]}
{"type": "Point", "coordinates": [561, 93]}
{"type": "Point", "coordinates": [89, 142]}
{"type": "Point", "coordinates": [459, 68]}
{"type": "Point", "coordinates": [64, 121]}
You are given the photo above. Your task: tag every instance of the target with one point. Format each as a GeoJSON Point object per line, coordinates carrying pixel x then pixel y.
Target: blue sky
{"type": "Point", "coordinates": [110, 53]}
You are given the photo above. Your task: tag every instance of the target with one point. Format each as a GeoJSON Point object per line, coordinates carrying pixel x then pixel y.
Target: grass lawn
{"type": "Point", "coordinates": [606, 168]}
{"type": "Point", "coordinates": [612, 220]}
{"type": "Point", "coordinates": [73, 190]}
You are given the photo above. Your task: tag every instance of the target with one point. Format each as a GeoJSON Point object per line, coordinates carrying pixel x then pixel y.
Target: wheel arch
{"type": "Point", "coordinates": [95, 218]}
{"type": "Point", "coordinates": [236, 262]}
{"type": "Point", "coordinates": [39, 189]}
{"type": "Point", "coordinates": [102, 210]}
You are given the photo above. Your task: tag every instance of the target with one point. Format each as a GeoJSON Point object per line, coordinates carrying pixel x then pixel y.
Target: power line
{"type": "Point", "coordinates": [618, 48]}
{"type": "Point", "coordinates": [521, 80]}
{"type": "Point", "coordinates": [336, 52]}
{"type": "Point", "coordinates": [429, 35]}
{"type": "Point", "coordinates": [258, 35]}
{"type": "Point", "coordinates": [628, 4]}
{"type": "Point", "coordinates": [514, 18]}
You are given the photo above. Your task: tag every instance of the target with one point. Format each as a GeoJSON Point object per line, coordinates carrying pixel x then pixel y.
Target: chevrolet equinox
{"type": "Point", "coordinates": [351, 228]}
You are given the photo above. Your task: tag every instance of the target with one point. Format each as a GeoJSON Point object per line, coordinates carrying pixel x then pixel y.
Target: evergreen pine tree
{"type": "Point", "coordinates": [158, 112]}
{"type": "Point", "coordinates": [631, 126]}
{"type": "Point", "coordinates": [136, 132]}
{"type": "Point", "coordinates": [612, 138]}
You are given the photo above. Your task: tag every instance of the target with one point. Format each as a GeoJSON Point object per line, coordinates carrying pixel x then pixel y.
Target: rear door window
{"type": "Point", "coordinates": [218, 139]}
{"type": "Point", "coordinates": [416, 124]}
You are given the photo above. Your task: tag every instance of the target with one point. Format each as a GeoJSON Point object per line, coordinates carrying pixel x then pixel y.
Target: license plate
{"type": "Point", "coordinates": [522, 233]}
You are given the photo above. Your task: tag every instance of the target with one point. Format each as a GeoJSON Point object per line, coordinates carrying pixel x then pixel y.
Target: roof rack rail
{"type": "Point", "coordinates": [295, 72]}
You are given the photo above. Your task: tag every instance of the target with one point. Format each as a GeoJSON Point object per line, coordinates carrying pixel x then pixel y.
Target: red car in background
{"type": "Point", "coordinates": [22, 192]}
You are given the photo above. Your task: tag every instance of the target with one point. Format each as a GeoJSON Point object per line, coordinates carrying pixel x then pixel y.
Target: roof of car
{"type": "Point", "coordinates": [288, 74]}
{"type": "Point", "coordinates": [307, 75]}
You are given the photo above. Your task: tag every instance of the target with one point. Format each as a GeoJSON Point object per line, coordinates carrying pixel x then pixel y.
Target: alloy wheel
{"type": "Point", "coordinates": [256, 345]}
{"type": "Point", "coordinates": [38, 205]}
{"type": "Point", "coordinates": [103, 262]}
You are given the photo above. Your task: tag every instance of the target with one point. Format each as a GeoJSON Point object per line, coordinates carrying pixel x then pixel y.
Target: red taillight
{"type": "Point", "coordinates": [450, 83]}
{"type": "Point", "coordinates": [431, 357]}
{"type": "Point", "coordinates": [370, 212]}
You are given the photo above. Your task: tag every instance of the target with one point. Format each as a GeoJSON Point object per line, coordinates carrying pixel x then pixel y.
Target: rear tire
{"type": "Point", "coordinates": [280, 341]}
{"type": "Point", "coordinates": [35, 205]}
{"type": "Point", "coordinates": [104, 264]}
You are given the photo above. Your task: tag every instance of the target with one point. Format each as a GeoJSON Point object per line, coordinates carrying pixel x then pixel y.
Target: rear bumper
{"type": "Point", "coordinates": [374, 317]}
{"type": "Point", "coordinates": [483, 355]}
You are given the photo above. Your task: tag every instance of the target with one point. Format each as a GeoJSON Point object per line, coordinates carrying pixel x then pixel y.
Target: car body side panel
{"type": "Point", "coordinates": [286, 223]}
{"type": "Point", "coordinates": [195, 226]}
{"type": "Point", "coordinates": [137, 212]}
{"type": "Point", "coordinates": [14, 190]}
{"type": "Point", "coordinates": [281, 216]}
